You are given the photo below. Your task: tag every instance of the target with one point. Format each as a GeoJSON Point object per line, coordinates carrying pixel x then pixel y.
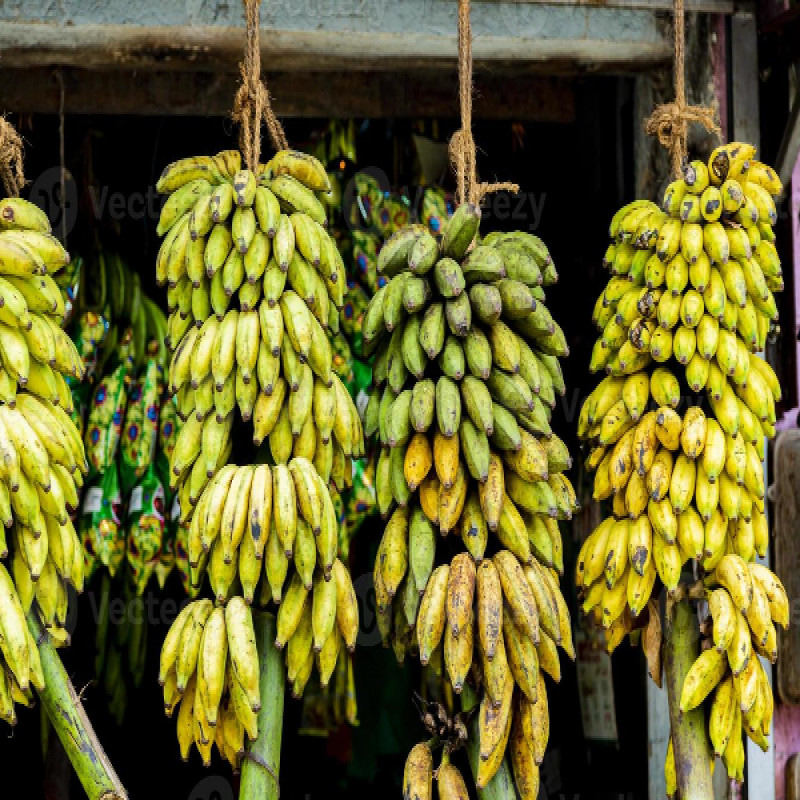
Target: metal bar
{"type": "Point", "coordinates": [657, 740]}
{"type": "Point", "coordinates": [790, 144]}
{"type": "Point", "coordinates": [744, 78]}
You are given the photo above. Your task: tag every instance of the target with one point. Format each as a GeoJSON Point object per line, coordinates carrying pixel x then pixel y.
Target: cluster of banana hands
{"type": "Point", "coordinates": [692, 286]}
{"type": "Point", "coordinates": [42, 458]}
{"type": "Point", "coordinates": [256, 283]}
{"type": "Point", "coordinates": [465, 379]}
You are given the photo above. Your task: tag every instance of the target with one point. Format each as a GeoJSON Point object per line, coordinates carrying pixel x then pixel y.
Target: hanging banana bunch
{"type": "Point", "coordinates": [679, 447]}
{"type": "Point", "coordinates": [260, 238]}
{"type": "Point", "coordinates": [42, 460]}
{"type": "Point", "coordinates": [255, 286]}
{"type": "Point", "coordinates": [465, 377]}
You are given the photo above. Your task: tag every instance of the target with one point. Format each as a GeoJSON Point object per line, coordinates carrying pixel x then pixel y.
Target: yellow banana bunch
{"type": "Point", "coordinates": [680, 452]}
{"type": "Point", "coordinates": [42, 459]}
{"type": "Point", "coordinates": [670, 294]}
{"type": "Point", "coordinates": [746, 601]}
{"type": "Point", "coordinates": [250, 523]}
{"type": "Point", "coordinates": [465, 379]}
{"type": "Point", "coordinates": [209, 672]}
{"type": "Point", "coordinates": [255, 283]}
{"type": "Point", "coordinates": [20, 669]}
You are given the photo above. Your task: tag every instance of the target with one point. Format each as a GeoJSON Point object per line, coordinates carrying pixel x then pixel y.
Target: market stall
{"type": "Point", "coordinates": [105, 97]}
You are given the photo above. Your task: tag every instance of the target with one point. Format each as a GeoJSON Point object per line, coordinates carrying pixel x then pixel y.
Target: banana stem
{"type": "Point", "coordinates": [689, 737]}
{"type": "Point", "coordinates": [501, 786]}
{"type": "Point", "coordinates": [263, 758]}
{"type": "Point", "coordinates": [65, 711]}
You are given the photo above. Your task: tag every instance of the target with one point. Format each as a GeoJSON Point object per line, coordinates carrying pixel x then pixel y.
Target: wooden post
{"type": "Point", "coordinates": [66, 714]}
{"type": "Point", "coordinates": [262, 761]}
{"type": "Point", "coordinates": [689, 737]}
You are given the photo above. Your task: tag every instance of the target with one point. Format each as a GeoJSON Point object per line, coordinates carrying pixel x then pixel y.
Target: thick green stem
{"type": "Point", "coordinates": [263, 758]}
{"type": "Point", "coordinates": [66, 714]}
{"type": "Point", "coordinates": [689, 737]}
{"type": "Point", "coordinates": [501, 786]}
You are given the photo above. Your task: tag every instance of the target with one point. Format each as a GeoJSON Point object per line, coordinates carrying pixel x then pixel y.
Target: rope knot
{"type": "Point", "coordinates": [462, 145]}
{"type": "Point", "coordinates": [252, 102]}
{"type": "Point", "coordinates": [669, 122]}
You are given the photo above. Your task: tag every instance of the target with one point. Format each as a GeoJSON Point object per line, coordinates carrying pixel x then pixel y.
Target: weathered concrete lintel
{"type": "Point", "coordinates": [591, 39]}
{"type": "Point", "coordinates": [328, 14]}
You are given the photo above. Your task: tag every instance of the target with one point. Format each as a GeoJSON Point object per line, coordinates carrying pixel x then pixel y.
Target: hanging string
{"type": "Point", "coordinates": [11, 159]}
{"type": "Point", "coordinates": [61, 151]}
{"type": "Point", "coordinates": [252, 101]}
{"type": "Point", "coordinates": [462, 145]}
{"type": "Point", "coordinates": [669, 121]}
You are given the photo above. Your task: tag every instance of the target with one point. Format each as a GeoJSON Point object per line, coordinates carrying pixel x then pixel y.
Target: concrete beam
{"type": "Point", "coordinates": [319, 35]}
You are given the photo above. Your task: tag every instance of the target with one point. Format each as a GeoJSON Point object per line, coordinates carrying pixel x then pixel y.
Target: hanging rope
{"type": "Point", "coordinates": [462, 145]}
{"type": "Point", "coordinates": [669, 121]}
{"type": "Point", "coordinates": [11, 159]}
{"type": "Point", "coordinates": [62, 157]}
{"type": "Point", "coordinates": [252, 102]}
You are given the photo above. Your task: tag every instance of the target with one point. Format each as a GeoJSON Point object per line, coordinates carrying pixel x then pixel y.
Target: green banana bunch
{"type": "Point", "coordinates": [465, 378]}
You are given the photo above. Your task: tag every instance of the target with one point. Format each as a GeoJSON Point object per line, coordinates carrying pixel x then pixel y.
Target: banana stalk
{"type": "Point", "coordinates": [262, 762]}
{"type": "Point", "coordinates": [689, 736]}
{"type": "Point", "coordinates": [501, 786]}
{"type": "Point", "coordinates": [66, 714]}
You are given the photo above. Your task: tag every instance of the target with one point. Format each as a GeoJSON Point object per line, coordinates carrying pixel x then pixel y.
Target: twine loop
{"type": "Point", "coordinates": [669, 121]}
{"type": "Point", "coordinates": [252, 102]}
{"type": "Point", "coordinates": [462, 145]}
{"type": "Point", "coordinates": [11, 171]}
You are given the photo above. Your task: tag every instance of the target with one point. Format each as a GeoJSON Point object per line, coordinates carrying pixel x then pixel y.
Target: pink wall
{"type": "Point", "coordinates": [719, 66]}
{"type": "Point", "coordinates": [787, 743]}
{"type": "Point", "coordinates": [795, 212]}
